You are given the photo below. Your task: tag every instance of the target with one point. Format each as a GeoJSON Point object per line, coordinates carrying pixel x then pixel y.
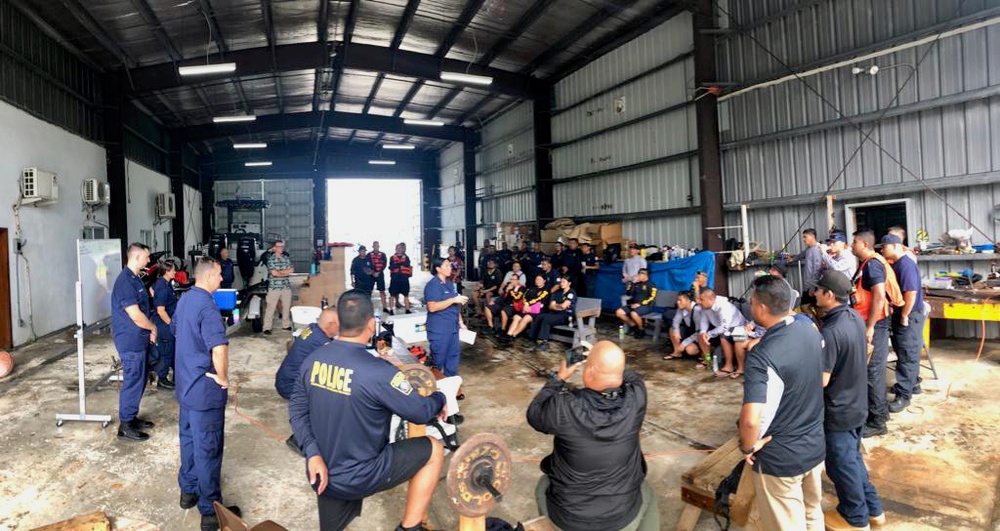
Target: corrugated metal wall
{"type": "Point", "coordinates": [505, 165]}
{"type": "Point", "coordinates": [452, 168]}
{"type": "Point", "coordinates": [783, 145]}
{"type": "Point", "coordinates": [290, 214]}
{"type": "Point", "coordinates": [626, 141]}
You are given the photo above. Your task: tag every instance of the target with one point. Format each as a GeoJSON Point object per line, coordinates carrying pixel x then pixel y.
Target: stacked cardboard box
{"type": "Point", "coordinates": [331, 282]}
{"type": "Point", "coordinates": [599, 235]}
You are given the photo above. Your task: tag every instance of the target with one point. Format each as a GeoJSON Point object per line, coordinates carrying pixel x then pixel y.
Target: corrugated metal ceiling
{"type": "Point", "coordinates": [148, 32]}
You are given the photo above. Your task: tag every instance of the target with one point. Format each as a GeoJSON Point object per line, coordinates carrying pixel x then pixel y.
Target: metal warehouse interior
{"type": "Point", "coordinates": [711, 129]}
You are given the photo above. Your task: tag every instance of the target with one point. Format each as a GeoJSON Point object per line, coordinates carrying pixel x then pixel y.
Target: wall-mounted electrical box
{"type": "Point", "coordinates": [96, 192]}
{"type": "Point", "coordinates": [38, 186]}
{"type": "Point", "coordinates": [165, 207]}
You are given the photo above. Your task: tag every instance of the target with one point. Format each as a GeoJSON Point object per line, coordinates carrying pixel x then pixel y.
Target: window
{"type": "Point", "coordinates": [878, 216]}
{"type": "Point", "coordinates": [146, 237]}
{"type": "Point", "coordinates": [168, 242]}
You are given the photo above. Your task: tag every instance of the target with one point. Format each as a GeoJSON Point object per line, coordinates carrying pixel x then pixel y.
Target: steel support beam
{"type": "Point", "coordinates": [175, 171]}
{"type": "Point", "coordinates": [431, 218]}
{"type": "Point", "coordinates": [308, 120]}
{"type": "Point", "coordinates": [319, 203]}
{"type": "Point", "coordinates": [544, 201]}
{"type": "Point", "coordinates": [469, 167]}
{"type": "Point", "coordinates": [114, 146]}
{"type": "Point", "coordinates": [709, 153]}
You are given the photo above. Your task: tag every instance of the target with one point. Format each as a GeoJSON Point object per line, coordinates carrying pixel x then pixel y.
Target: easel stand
{"type": "Point", "coordinates": [80, 331]}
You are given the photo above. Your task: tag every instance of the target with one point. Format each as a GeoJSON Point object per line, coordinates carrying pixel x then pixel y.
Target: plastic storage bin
{"type": "Point", "coordinates": [225, 299]}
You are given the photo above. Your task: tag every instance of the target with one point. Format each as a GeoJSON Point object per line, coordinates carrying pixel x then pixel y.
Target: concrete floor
{"type": "Point", "coordinates": [937, 469]}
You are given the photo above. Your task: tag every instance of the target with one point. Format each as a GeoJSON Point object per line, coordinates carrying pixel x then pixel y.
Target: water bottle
{"type": "Point", "coordinates": [621, 332]}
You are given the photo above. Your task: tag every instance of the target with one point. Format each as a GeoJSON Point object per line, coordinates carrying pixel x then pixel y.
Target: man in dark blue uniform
{"type": "Point", "coordinates": [228, 273]}
{"type": "Point", "coordinates": [340, 411]}
{"type": "Point", "coordinates": [572, 259]}
{"type": "Point", "coordinates": [202, 377]}
{"type": "Point", "coordinates": [551, 274]}
{"type": "Point", "coordinates": [362, 271]}
{"type": "Point", "coordinates": [133, 333]}
{"type": "Point", "coordinates": [557, 258]}
{"type": "Point", "coordinates": [588, 258]}
{"type": "Point", "coordinates": [534, 256]}
{"type": "Point", "coordinates": [164, 304]}
{"type": "Point", "coordinates": [311, 338]}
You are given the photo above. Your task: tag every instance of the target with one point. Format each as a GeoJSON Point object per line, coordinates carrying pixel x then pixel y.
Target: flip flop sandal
{"type": "Point", "coordinates": [723, 374]}
{"type": "Point", "coordinates": [735, 375]}
{"type": "Point", "coordinates": [669, 357]}
{"type": "Point", "coordinates": [701, 366]}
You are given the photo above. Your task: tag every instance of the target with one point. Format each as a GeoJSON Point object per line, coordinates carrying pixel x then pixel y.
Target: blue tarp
{"type": "Point", "coordinates": [675, 275]}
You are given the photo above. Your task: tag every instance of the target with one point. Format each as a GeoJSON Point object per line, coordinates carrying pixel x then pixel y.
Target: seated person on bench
{"type": "Point", "coordinates": [561, 308]}
{"type": "Point", "coordinates": [595, 476]}
{"type": "Point", "coordinates": [641, 294]}
{"type": "Point", "coordinates": [515, 271]}
{"type": "Point", "coordinates": [535, 300]}
{"type": "Point", "coordinates": [341, 408]}
{"type": "Point", "coordinates": [684, 329]}
{"type": "Point", "coordinates": [507, 304]}
{"type": "Point", "coordinates": [488, 288]}
{"type": "Point", "coordinates": [311, 338]}
{"type": "Point", "coordinates": [718, 318]}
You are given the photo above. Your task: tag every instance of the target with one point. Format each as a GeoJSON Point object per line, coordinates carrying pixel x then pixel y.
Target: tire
{"type": "Point", "coordinates": [257, 325]}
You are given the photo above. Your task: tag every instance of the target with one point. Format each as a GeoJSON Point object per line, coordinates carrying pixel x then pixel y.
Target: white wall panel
{"type": "Point", "coordinates": [505, 166]}
{"type": "Point", "coordinates": [654, 48]}
{"type": "Point", "coordinates": [678, 230]}
{"type": "Point", "coordinates": [50, 231]}
{"type": "Point", "coordinates": [659, 187]}
{"type": "Point", "coordinates": [144, 185]}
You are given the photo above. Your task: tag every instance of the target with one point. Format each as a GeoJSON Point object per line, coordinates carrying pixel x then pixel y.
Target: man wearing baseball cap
{"type": "Point", "coordinates": [845, 390]}
{"type": "Point", "coordinates": [837, 257]}
{"type": "Point", "coordinates": [907, 321]}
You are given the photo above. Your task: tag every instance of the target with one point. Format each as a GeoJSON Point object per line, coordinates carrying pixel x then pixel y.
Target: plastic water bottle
{"type": "Point", "coordinates": [621, 332]}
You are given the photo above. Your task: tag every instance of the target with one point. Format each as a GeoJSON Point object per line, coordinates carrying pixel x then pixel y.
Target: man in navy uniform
{"type": "Point", "coordinates": [340, 411]}
{"type": "Point", "coordinates": [588, 259]}
{"type": "Point", "coordinates": [312, 337]}
{"type": "Point", "coordinates": [228, 272]}
{"type": "Point", "coordinates": [133, 333]}
{"type": "Point", "coordinates": [362, 270]}
{"type": "Point", "coordinates": [202, 378]}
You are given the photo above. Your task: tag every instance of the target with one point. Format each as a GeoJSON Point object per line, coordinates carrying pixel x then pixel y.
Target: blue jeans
{"type": "Point", "coordinates": [908, 342]}
{"type": "Point", "coordinates": [844, 466]}
{"type": "Point", "coordinates": [202, 438]}
{"type": "Point", "coordinates": [133, 384]}
{"type": "Point", "coordinates": [878, 406]}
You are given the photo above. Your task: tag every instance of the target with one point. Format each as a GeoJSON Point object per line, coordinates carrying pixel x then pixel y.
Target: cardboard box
{"type": "Point", "coordinates": [611, 232]}
{"type": "Point", "coordinates": [548, 248]}
{"type": "Point", "coordinates": [550, 235]}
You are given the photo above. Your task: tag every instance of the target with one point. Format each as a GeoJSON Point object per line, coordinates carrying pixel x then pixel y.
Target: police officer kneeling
{"type": "Point", "coordinates": [340, 411]}
{"type": "Point", "coordinates": [595, 476]}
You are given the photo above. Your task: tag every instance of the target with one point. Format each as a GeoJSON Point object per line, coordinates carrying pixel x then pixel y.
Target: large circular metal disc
{"type": "Point", "coordinates": [484, 451]}
{"type": "Point", "coordinates": [421, 378]}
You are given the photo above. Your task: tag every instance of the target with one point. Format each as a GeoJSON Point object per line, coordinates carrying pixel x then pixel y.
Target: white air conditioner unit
{"type": "Point", "coordinates": [95, 192]}
{"type": "Point", "coordinates": [165, 208]}
{"type": "Point", "coordinates": [38, 185]}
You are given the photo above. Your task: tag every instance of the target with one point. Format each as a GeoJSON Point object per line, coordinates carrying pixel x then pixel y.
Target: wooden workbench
{"type": "Point", "coordinates": [964, 304]}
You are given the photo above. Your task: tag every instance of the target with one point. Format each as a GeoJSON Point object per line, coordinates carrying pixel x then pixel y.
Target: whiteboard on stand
{"type": "Point", "coordinates": [99, 262]}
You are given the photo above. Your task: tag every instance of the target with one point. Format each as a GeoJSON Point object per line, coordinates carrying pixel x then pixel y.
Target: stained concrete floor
{"type": "Point", "coordinates": [937, 469]}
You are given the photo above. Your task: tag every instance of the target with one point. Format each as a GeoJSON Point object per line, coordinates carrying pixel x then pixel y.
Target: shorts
{"type": "Point", "coordinates": [641, 310]}
{"type": "Point", "coordinates": [399, 286]}
{"type": "Point", "coordinates": [380, 281]}
{"type": "Point", "coordinates": [688, 333]}
{"type": "Point", "coordinates": [408, 457]}
{"type": "Point", "coordinates": [365, 287]}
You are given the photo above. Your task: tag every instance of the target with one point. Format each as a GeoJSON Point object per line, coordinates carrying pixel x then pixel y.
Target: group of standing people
{"type": "Point", "coordinates": [368, 274]}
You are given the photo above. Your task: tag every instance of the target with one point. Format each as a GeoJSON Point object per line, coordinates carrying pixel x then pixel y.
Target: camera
{"type": "Point", "coordinates": [577, 354]}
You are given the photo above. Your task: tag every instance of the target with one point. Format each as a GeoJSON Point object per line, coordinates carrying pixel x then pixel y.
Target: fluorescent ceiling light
{"type": "Point", "coordinates": [432, 123]}
{"type": "Point", "coordinates": [200, 70]}
{"type": "Point", "coordinates": [466, 78]}
{"type": "Point", "coordinates": [405, 147]}
{"type": "Point", "coordinates": [229, 119]}
{"type": "Point", "coordinates": [250, 145]}
{"type": "Point", "coordinates": [383, 162]}
{"type": "Point", "coordinates": [253, 164]}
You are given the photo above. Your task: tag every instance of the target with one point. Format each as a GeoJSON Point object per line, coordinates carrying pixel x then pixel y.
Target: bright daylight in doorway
{"type": "Point", "coordinates": [361, 211]}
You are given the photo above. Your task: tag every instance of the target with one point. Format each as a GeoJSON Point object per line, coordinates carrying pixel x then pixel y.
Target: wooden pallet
{"type": "Point", "coordinates": [699, 483]}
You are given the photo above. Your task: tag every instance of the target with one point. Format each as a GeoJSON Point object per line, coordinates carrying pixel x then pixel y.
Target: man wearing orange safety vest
{"type": "Point", "coordinates": [876, 291]}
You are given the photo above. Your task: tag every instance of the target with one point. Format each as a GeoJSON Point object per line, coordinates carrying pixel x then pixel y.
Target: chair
{"type": "Point", "coordinates": [585, 326]}
{"type": "Point", "coordinates": [663, 304]}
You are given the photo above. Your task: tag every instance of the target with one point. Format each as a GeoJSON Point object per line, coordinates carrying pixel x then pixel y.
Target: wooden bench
{"type": "Point", "coordinates": [585, 327]}
{"type": "Point", "coordinates": [699, 483]}
{"type": "Point", "coordinates": [665, 300]}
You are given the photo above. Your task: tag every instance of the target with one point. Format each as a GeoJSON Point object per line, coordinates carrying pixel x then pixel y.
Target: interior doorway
{"type": "Point", "coordinates": [6, 321]}
{"type": "Point", "coordinates": [878, 216]}
{"type": "Point", "coordinates": [361, 211]}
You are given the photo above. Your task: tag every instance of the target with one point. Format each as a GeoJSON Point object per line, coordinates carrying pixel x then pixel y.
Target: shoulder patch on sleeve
{"type": "Point", "coordinates": [401, 383]}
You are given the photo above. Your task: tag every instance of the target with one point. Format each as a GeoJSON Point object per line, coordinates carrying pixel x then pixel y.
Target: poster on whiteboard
{"type": "Point", "coordinates": [98, 264]}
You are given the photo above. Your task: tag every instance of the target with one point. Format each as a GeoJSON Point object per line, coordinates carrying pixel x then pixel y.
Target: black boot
{"type": "Point", "coordinates": [141, 424]}
{"type": "Point", "coordinates": [128, 432]}
{"type": "Point", "coordinates": [188, 500]}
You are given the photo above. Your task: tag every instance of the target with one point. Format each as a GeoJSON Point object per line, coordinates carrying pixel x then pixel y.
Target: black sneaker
{"type": "Point", "coordinates": [165, 383]}
{"type": "Point", "coordinates": [408, 311]}
{"type": "Point", "coordinates": [899, 404]}
{"type": "Point", "coordinates": [640, 333]}
{"type": "Point", "coordinates": [917, 390]}
{"type": "Point", "coordinates": [141, 424]}
{"type": "Point", "coordinates": [129, 433]}
{"type": "Point", "coordinates": [873, 431]}
{"type": "Point", "coordinates": [188, 500]}
{"type": "Point", "coordinates": [210, 522]}
{"type": "Point", "coordinates": [389, 312]}
{"type": "Point", "coordinates": [455, 419]}
{"type": "Point", "coordinates": [542, 346]}
{"type": "Point", "coordinates": [267, 332]}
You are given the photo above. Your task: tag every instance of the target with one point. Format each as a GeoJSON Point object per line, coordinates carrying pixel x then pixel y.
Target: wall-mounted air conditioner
{"type": "Point", "coordinates": [96, 192]}
{"type": "Point", "coordinates": [165, 207]}
{"type": "Point", "coordinates": [38, 186]}
{"type": "Point", "coordinates": [95, 233]}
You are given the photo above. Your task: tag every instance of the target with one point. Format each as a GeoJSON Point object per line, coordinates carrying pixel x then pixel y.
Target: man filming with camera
{"type": "Point", "coordinates": [595, 476]}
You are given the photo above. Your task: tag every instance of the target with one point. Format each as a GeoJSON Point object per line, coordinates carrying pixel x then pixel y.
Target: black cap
{"type": "Point", "coordinates": [836, 282]}
{"type": "Point", "coordinates": [891, 238]}
{"type": "Point", "coordinates": [362, 248]}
